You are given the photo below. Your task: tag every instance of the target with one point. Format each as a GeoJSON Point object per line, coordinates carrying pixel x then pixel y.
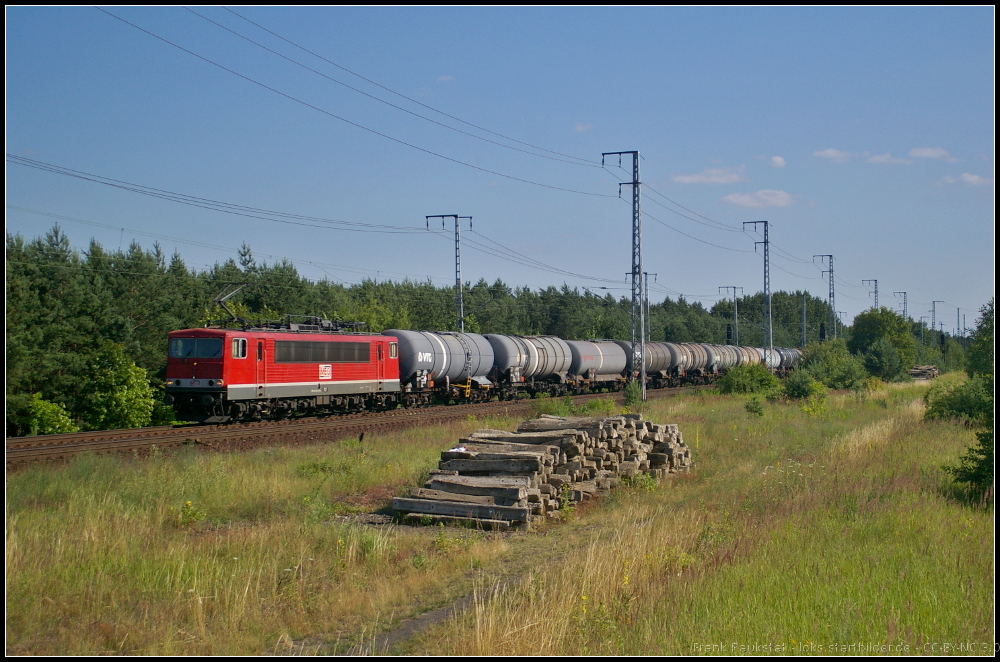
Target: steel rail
{"type": "Point", "coordinates": [243, 436]}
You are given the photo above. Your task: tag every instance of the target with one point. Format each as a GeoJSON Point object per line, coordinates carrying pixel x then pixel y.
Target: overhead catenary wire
{"type": "Point", "coordinates": [212, 204]}
{"type": "Point", "coordinates": [281, 217]}
{"type": "Point", "coordinates": [690, 236]}
{"type": "Point", "coordinates": [319, 265]}
{"type": "Point", "coordinates": [674, 211]}
{"type": "Point", "coordinates": [583, 161]}
{"type": "Point", "coordinates": [352, 123]}
{"type": "Point", "coordinates": [372, 96]}
{"type": "Point", "coordinates": [718, 225]}
{"type": "Point", "coordinates": [521, 260]}
{"type": "Point", "coordinates": [785, 255]}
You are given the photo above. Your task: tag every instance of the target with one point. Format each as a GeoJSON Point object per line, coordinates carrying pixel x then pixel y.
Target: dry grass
{"type": "Point", "coordinates": [843, 532]}
{"type": "Point", "coordinates": [827, 526]}
{"type": "Point", "coordinates": [104, 554]}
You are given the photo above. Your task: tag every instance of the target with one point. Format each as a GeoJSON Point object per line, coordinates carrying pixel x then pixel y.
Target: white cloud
{"type": "Point", "coordinates": [887, 158]}
{"type": "Point", "coordinates": [968, 179]}
{"type": "Point", "coordinates": [765, 198]}
{"type": "Point", "coordinates": [777, 162]}
{"type": "Point", "coordinates": [581, 127]}
{"type": "Point", "coordinates": [714, 176]}
{"type": "Point", "coordinates": [445, 78]}
{"type": "Point", "coordinates": [835, 155]}
{"type": "Point", "coordinates": [932, 153]}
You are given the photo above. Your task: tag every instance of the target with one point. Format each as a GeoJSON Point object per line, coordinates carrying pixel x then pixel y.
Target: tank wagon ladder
{"type": "Point", "coordinates": [467, 386]}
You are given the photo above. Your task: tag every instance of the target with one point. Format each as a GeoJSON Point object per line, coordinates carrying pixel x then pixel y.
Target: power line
{"type": "Point", "coordinates": [214, 205]}
{"type": "Point", "coordinates": [347, 121]}
{"type": "Point", "coordinates": [410, 99]}
{"type": "Point", "coordinates": [791, 273]}
{"type": "Point", "coordinates": [371, 96]}
{"type": "Point", "coordinates": [689, 236]}
{"type": "Point", "coordinates": [314, 263]}
{"type": "Point", "coordinates": [529, 261]}
{"type": "Point", "coordinates": [674, 211]}
{"type": "Point", "coordinates": [243, 210]}
{"type": "Point", "coordinates": [722, 226]}
{"type": "Point", "coordinates": [510, 255]}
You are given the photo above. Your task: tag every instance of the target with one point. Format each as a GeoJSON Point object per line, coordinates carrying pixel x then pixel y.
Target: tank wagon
{"type": "Point", "coordinates": [529, 364]}
{"type": "Point", "coordinates": [455, 365]}
{"type": "Point", "coordinates": [218, 375]}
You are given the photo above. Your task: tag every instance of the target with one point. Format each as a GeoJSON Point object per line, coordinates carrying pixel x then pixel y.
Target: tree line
{"type": "Point", "coordinates": [87, 330]}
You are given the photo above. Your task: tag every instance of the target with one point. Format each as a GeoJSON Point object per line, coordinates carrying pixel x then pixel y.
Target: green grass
{"type": "Point", "coordinates": [802, 531]}
{"type": "Point", "coordinates": [803, 527]}
{"type": "Point", "coordinates": [200, 553]}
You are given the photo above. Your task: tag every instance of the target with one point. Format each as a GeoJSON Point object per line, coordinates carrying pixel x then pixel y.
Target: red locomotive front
{"type": "Point", "coordinates": [217, 375]}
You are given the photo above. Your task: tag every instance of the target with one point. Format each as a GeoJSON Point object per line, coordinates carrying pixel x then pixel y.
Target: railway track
{"type": "Point", "coordinates": [24, 450]}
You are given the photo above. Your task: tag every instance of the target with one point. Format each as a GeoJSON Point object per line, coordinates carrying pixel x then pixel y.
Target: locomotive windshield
{"type": "Point", "coordinates": [195, 348]}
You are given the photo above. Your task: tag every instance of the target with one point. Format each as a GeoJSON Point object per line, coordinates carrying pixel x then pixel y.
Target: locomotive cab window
{"type": "Point", "coordinates": [195, 348]}
{"type": "Point", "coordinates": [393, 350]}
{"type": "Point", "coordinates": [239, 348]}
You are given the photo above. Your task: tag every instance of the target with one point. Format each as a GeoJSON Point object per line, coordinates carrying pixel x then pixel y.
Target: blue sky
{"type": "Point", "coordinates": [866, 133]}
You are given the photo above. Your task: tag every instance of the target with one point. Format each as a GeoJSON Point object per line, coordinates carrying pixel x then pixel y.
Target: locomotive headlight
{"type": "Point", "coordinates": [218, 382]}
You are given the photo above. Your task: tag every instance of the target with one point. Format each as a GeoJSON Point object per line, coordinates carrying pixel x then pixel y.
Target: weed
{"type": "Point", "coordinates": [815, 405]}
{"type": "Point", "coordinates": [599, 406]}
{"type": "Point", "coordinates": [641, 482]}
{"type": "Point", "coordinates": [545, 404]}
{"type": "Point", "coordinates": [864, 544]}
{"type": "Point", "coordinates": [446, 544]}
{"type": "Point", "coordinates": [188, 515]}
{"type": "Point", "coordinates": [419, 560]}
{"type": "Point", "coordinates": [567, 507]}
{"type": "Point", "coordinates": [315, 509]}
{"type": "Point", "coordinates": [675, 561]}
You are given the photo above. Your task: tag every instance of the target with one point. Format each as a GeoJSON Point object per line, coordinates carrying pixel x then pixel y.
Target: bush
{"type": "Point", "coordinates": [883, 360]}
{"type": "Point", "coordinates": [870, 385]}
{"type": "Point", "coordinates": [976, 467]}
{"type": "Point", "coordinates": [633, 394]}
{"type": "Point", "coordinates": [746, 379]}
{"type": "Point", "coordinates": [832, 364]}
{"type": "Point", "coordinates": [800, 385]}
{"type": "Point", "coordinates": [599, 407]}
{"type": "Point", "coordinates": [980, 356]}
{"type": "Point", "coordinates": [545, 404]}
{"type": "Point", "coordinates": [878, 324]}
{"type": "Point", "coordinates": [119, 395]}
{"type": "Point", "coordinates": [38, 416]}
{"type": "Point", "coordinates": [970, 402]}
{"type": "Point", "coordinates": [566, 407]}
{"type": "Point", "coordinates": [754, 407]}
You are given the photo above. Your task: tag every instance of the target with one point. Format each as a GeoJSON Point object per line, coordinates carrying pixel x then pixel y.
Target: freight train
{"type": "Point", "coordinates": [274, 371]}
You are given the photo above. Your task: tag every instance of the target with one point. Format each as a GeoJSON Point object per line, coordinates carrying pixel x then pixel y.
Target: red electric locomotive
{"type": "Point", "coordinates": [217, 375]}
